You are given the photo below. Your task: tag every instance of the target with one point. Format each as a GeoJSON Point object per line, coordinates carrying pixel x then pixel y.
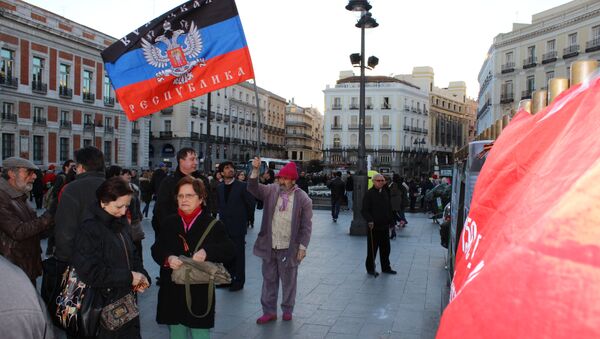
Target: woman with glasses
{"type": "Point", "coordinates": [180, 236]}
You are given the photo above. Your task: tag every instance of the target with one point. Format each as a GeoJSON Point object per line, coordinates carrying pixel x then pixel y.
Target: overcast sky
{"type": "Point", "coordinates": [299, 47]}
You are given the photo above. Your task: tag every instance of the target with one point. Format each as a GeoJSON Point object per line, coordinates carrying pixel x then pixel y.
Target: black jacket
{"type": "Point", "coordinates": [72, 209]}
{"type": "Point", "coordinates": [338, 189]}
{"type": "Point", "coordinates": [171, 309]}
{"type": "Point", "coordinates": [377, 208]}
{"type": "Point", "coordinates": [236, 212]}
{"type": "Point", "coordinates": [99, 254]}
{"type": "Point", "coordinates": [350, 183]}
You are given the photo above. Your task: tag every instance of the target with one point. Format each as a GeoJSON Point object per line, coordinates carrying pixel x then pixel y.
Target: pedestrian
{"type": "Point", "coordinates": [23, 312]}
{"type": "Point", "coordinates": [73, 208]}
{"type": "Point", "coordinates": [241, 176]}
{"type": "Point", "coordinates": [62, 178]}
{"type": "Point", "coordinates": [377, 211]}
{"type": "Point", "coordinates": [146, 191]}
{"type": "Point", "coordinates": [302, 182]}
{"type": "Point", "coordinates": [157, 177]}
{"type": "Point", "coordinates": [283, 238]}
{"type": "Point", "coordinates": [104, 255]}
{"type": "Point", "coordinates": [213, 201]}
{"type": "Point", "coordinates": [179, 236]}
{"type": "Point", "coordinates": [20, 227]}
{"type": "Point", "coordinates": [134, 214]}
{"type": "Point", "coordinates": [349, 189]}
{"type": "Point", "coordinates": [399, 197]}
{"type": "Point", "coordinates": [413, 191]}
{"type": "Point", "coordinates": [37, 191]}
{"type": "Point", "coordinates": [235, 206]}
{"type": "Point", "coordinates": [338, 191]}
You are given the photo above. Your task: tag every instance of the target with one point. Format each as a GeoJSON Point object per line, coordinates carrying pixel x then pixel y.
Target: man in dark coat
{"type": "Point", "coordinates": [338, 191]}
{"type": "Point", "coordinates": [302, 182]}
{"type": "Point", "coordinates": [157, 177]}
{"type": "Point", "coordinates": [349, 189]}
{"type": "Point", "coordinates": [235, 207]}
{"type": "Point", "coordinates": [20, 227]}
{"type": "Point", "coordinates": [377, 211]}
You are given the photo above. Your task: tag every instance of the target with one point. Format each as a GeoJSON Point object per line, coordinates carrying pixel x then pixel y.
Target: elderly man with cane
{"type": "Point", "coordinates": [377, 211]}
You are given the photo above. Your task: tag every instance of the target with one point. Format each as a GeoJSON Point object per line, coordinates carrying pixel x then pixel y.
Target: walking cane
{"type": "Point", "coordinates": [375, 274]}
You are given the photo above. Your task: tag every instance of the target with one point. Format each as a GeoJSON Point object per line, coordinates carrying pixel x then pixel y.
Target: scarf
{"type": "Point", "coordinates": [188, 219]}
{"type": "Point", "coordinates": [285, 197]}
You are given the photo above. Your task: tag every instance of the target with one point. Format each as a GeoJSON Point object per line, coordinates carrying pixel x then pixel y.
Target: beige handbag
{"type": "Point", "coordinates": [194, 272]}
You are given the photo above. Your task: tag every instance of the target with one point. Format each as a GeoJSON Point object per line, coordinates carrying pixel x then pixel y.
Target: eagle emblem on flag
{"type": "Point", "coordinates": [173, 58]}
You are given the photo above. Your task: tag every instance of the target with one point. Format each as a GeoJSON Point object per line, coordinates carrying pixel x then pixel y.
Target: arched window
{"type": "Point", "coordinates": [336, 141]}
{"type": "Point", "coordinates": [354, 140]}
{"type": "Point", "coordinates": [385, 140]}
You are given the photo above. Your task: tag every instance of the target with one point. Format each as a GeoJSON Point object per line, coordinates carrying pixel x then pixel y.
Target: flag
{"type": "Point", "coordinates": [195, 48]}
{"type": "Point", "coordinates": [528, 261]}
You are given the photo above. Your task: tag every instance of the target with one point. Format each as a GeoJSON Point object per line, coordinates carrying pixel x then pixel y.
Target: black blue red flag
{"type": "Point", "coordinates": [195, 48]}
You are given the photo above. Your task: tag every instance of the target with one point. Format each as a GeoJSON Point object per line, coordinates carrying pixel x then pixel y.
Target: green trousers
{"type": "Point", "coordinates": [181, 332]}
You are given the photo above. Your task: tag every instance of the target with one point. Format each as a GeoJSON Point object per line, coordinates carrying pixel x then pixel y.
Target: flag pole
{"type": "Point", "coordinates": [258, 124]}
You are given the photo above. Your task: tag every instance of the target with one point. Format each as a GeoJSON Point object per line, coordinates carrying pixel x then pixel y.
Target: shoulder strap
{"type": "Point", "coordinates": [210, 226]}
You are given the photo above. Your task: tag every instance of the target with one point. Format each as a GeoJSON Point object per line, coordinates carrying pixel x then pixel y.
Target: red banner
{"type": "Point", "coordinates": [528, 262]}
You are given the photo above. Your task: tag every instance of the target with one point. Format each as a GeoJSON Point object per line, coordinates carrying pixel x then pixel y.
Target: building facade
{"type": "Point", "coordinates": [55, 94]}
{"type": "Point", "coordinates": [233, 126]}
{"type": "Point", "coordinates": [396, 124]}
{"type": "Point", "coordinates": [304, 133]}
{"type": "Point", "coordinates": [525, 59]}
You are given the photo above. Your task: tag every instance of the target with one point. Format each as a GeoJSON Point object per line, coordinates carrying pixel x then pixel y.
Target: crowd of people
{"type": "Point", "coordinates": [92, 217]}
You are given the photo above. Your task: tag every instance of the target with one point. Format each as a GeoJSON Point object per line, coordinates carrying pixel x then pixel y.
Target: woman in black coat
{"type": "Point", "coordinates": [104, 255]}
{"type": "Point", "coordinates": [180, 237]}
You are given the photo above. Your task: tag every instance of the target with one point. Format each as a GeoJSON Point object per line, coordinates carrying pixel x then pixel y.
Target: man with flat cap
{"type": "Point", "coordinates": [20, 227]}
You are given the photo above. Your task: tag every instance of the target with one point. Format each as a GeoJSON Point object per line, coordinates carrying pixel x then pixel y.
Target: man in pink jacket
{"type": "Point", "coordinates": [283, 238]}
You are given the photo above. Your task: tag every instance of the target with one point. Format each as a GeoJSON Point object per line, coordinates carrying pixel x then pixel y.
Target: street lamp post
{"type": "Point", "coordinates": [359, 225]}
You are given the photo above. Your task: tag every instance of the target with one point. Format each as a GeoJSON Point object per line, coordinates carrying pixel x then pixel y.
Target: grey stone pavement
{"type": "Point", "coordinates": [336, 298]}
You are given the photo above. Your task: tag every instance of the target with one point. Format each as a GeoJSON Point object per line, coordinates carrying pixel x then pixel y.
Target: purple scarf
{"type": "Point", "coordinates": [284, 195]}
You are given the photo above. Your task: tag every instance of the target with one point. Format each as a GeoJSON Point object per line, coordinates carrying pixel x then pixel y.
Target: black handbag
{"type": "Point", "coordinates": [78, 306]}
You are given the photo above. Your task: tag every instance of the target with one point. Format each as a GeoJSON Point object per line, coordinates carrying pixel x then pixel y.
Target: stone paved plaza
{"type": "Point", "coordinates": [336, 298]}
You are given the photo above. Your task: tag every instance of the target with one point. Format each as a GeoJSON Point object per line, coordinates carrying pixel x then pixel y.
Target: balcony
{"type": "Point", "coordinates": [203, 113]}
{"type": "Point", "coordinates": [506, 98]}
{"type": "Point", "coordinates": [336, 127]}
{"type": "Point", "coordinates": [194, 111]}
{"type": "Point", "coordinates": [9, 117]}
{"type": "Point", "coordinates": [571, 51]}
{"type": "Point", "coordinates": [406, 128]}
{"type": "Point", "coordinates": [483, 109]}
{"type": "Point", "coordinates": [242, 121]}
{"type": "Point", "coordinates": [592, 45]}
{"type": "Point", "coordinates": [369, 126]}
{"type": "Point", "coordinates": [167, 111]}
{"type": "Point", "coordinates": [65, 92]}
{"type": "Point", "coordinates": [253, 123]}
{"type": "Point", "coordinates": [89, 97]}
{"type": "Point", "coordinates": [234, 119]}
{"type": "Point", "coordinates": [526, 94]}
{"type": "Point", "coordinates": [88, 126]}
{"type": "Point", "coordinates": [336, 108]}
{"type": "Point", "coordinates": [549, 57]}
{"type": "Point", "coordinates": [386, 106]}
{"type": "Point", "coordinates": [39, 87]}
{"type": "Point", "coordinates": [9, 81]}
{"type": "Point", "coordinates": [194, 135]}
{"type": "Point", "coordinates": [353, 126]}
{"type": "Point", "coordinates": [65, 124]}
{"type": "Point", "coordinates": [226, 118]}
{"type": "Point", "coordinates": [165, 134]}
{"type": "Point", "coordinates": [406, 108]}
{"type": "Point", "coordinates": [369, 106]}
{"type": "Point", "coordinates": [530, 62]}
{"type": "Point", "coordinates": [508, 67]}
{"type": "Point", "coordinates": [39, 121]}
{"type": "Point", "coordinates": [109, 129]}
{"type": "Point", "coordinates": [109, 101]}
{"type": "Point", "coordinates": [385, 127]}
{"type": "Point", "coordinates": [219, 116]}
{"type": "Point", "coordinates": [135, 131]}
{"type": "Point", "coordinates": [248, 122]}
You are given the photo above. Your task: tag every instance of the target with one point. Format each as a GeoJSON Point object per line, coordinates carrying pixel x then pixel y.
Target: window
{"type": "Point", "coordinates": [368, 121]}
{"type": "Point", "coordinates": [7, 109]}
{"type": "Point", "coordinates": [507, 88]}
{"type": "Point", "coordinates": [107, 152]}
{"type": "Point", "coordinates": [508, 57]}
{"type": "Point", "coordinates": [64, 116]}
{"type": "Point", "coordinates": [353, 140]}
{"type": "Point", "coordinates": [65, 76]}
{"type": "Point", "coordinates": [572, 39]}
{"type": "Point", "coordinates": [106, 87]}
{"type": "Point", "coordinates": [107, 122]}
{"type": "Point", "coordinates": [336, 141]}
{"type": "Point", "coordinates": [202, 128]}
{"type": "Point", "coordinates": [87, 82]}
{"type": "Point", "coordinates": [7, 63]}
{"type": "Point", "coordinates": [87, 119]}
{"type": "Point", "coordinates": [336, 121]}
{"type": "Point", "coordinates": [385, 140]}
{"type": "Point", "coordinates": [134, 154]}
{"type": "Point", "coordinates": [64, 149]}
{"type": "Point", "coordinates": [385, 120]}
{"type": "Point", "coordinates": [354, 103]}
{"type": "Point", "coordinates": [596, 32]}
{"type": "Point", "coordinates": [191, 126]}
{"type": "Point", "coordinates": [38, 114]}
{"type": "Point", "coordinates": [38, 148]}
{"type": "Point", "coordinates": [531, 52]}
{"type": "Point", "coordinates": [369, 102]}
{"type": "Point", "coordinates": [386, 103]}
{"type": "Point", "coordinates": [549, 76]}
{"type": "Point", "coordinates": [337, 102]}
{"type": "Point", "coordinates": [38, 70]}
{"type": "Point", "coordinates": [550, 45]}
{"type": "Point", "coordinates": [530, 85]}
{"type": "Point", "coordinates": [8, 145]}
{"type": "Point", "coordinates": [354, 120]}
{"type": "Point", "coordinates": [167, 125]}
{"type": "Point", "coordinates": [218, 131]}
{"type": "Point", "coordinates": [87, 142]}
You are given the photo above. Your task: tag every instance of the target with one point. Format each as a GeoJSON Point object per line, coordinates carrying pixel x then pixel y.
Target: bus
{"type": "Point", "coordinates": [268, 163]}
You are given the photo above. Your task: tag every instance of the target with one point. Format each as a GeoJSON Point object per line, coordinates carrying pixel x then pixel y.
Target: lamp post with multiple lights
{"type": "Point", "coordinates": [359, 225]}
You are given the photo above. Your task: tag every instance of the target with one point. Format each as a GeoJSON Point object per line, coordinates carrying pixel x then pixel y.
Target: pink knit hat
{"type": "Point", "coordinates": [288, 171]}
